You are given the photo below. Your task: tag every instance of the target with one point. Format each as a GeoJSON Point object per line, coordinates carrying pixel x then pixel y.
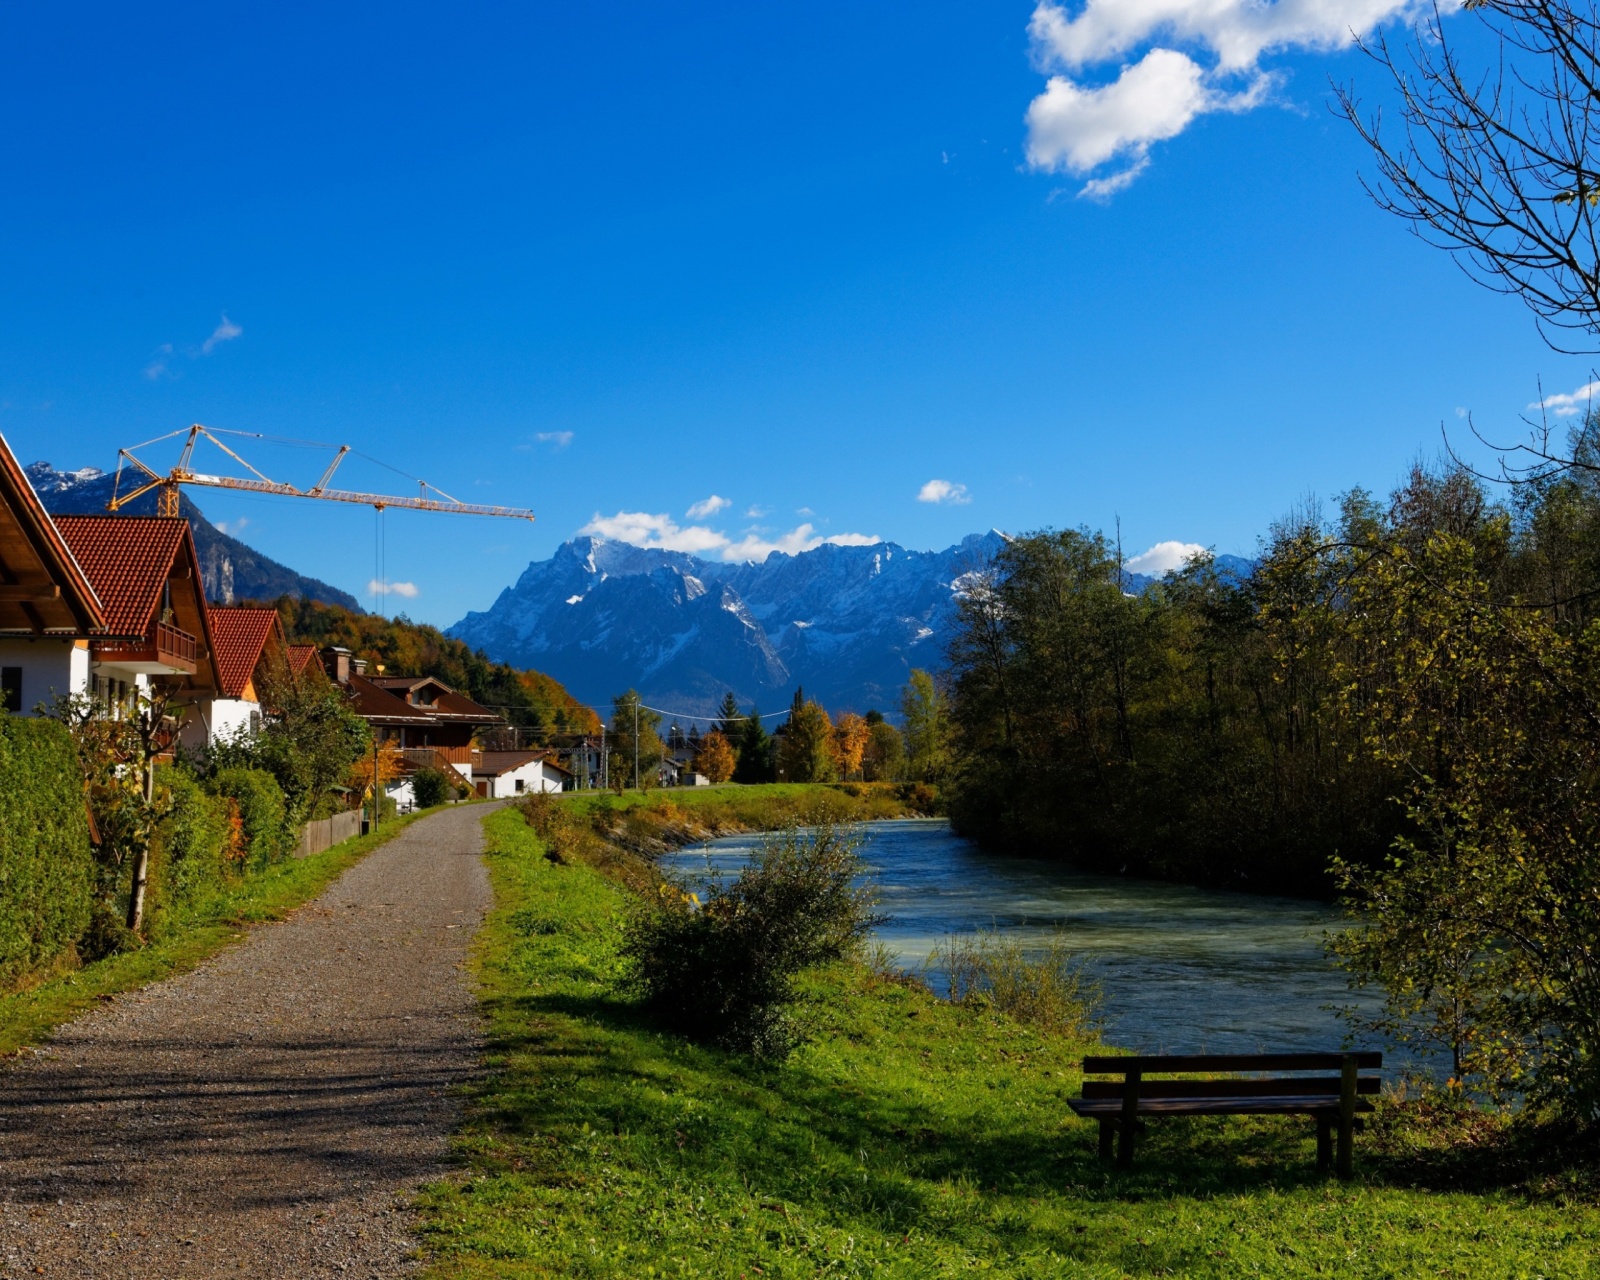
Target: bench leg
{"type": "Point", "coordinates": [1107, 1129]}
{"type": "Point", "coordinates": [1324, 1141]}
{"type": "Point", "coordinates": [1125, 1132]}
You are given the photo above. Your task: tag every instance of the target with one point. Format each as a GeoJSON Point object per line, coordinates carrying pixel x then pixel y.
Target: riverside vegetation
{"type": "Point", "coordinates": [905, 1136]}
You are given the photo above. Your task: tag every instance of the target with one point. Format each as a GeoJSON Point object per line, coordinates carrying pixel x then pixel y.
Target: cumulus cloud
{"type": "Point", "coordinates": [230, 526]}
{"type": "Point", "coordinates": [559, 439]}
{"type": "Point", "coordinates": [1164, 557]}
{"type": "Point", "coordinates": [708, 507]}
{"type": "Point", "coordinates": [408, 590]}
{"type": "Point", "coordinates": [1198, 57]}
{"type": "Point", "coordinates": [661, 532]}
{"type": "Point", "coordinates": [226, 331]}
{"type": "Point", "coordinates": [944, 491]}
{"type": "Point", "coordinates": [753, 546]}
{"type": "Point", "coordinates": [1569, 403]}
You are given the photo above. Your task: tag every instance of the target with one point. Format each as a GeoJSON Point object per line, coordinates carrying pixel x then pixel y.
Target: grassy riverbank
{"type": "Point", "coordinates": [27, 1017]}
{"type": "Point", "coordinates": [908, 1138]}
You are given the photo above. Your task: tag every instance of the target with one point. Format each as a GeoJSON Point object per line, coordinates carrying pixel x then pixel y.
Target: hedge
{"type": "Point", "coordinates": [268, 834]}
{"type": "Point", "coordinates": [46, 868]}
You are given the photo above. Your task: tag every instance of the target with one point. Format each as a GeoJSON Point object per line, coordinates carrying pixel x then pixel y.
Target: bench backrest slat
{"type": "Point", "coordinates": [1228, 1062]}
{"type": "Point", "coordinates": [1291, 1087]}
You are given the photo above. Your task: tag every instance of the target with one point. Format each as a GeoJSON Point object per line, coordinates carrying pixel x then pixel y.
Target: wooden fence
{"type": "Point", "coordinates": [327, 832]}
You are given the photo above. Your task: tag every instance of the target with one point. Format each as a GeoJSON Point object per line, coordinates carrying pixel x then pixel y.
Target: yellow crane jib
{"type": "Point", "coordinates": [182, 473]}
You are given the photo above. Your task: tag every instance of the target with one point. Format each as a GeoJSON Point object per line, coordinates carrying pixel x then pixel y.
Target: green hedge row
{"type": "Point", "coordinates": [46, 869]}
{"type": "Point", "coordinates": [55, 896]}
{"type": "Point", "coordinates": [212, 833]}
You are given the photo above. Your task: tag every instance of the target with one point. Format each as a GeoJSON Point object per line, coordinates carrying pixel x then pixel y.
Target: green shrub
{"type": "Point", "coordinates": [724, 973]}
{"type": "Point", "coordinates": [268, 835]}
{"type": "Point", "coordinates": [199, 838]}
{"type": "Point", "coordinates": [430, 787]}
{"type": "Point", "coordinates": [46, 868]}
{"type": "Point", "coordinates": [1047, 990]}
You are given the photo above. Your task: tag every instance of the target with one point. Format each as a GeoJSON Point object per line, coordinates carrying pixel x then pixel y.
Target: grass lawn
{"type": "Point", "coordinates": [27, 1017]}
{"type": "Point", "coordinates": [908, 1138]}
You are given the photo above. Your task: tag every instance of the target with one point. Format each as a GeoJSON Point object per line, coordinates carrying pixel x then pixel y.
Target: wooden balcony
{"type": "Point", "coordinates": [164, 651]}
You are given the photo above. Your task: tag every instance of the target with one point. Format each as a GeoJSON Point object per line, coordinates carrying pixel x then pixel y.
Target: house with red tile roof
{"type": "Point", "coordinates": [250, 644]}
{"type": "Point", "coordinates": [48, 610]}
{"type": "Point", "coordinates": [157, 634]}
{"type": "Point", "coordinates": [421, 718]}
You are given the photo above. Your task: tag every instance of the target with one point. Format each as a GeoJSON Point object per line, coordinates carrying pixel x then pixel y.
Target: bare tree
{"type": "Point", "coordinates": [1494, 159]}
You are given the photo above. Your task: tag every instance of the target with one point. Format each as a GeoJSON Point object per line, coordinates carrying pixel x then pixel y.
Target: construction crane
{"type": "Point", "coordinates": [182, 474]}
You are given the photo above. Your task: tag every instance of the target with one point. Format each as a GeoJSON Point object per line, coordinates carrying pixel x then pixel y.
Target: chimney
{"type": "Point", "coordinates": [359, 666]}
{"type": "Point", "coordinates": [337, 661]}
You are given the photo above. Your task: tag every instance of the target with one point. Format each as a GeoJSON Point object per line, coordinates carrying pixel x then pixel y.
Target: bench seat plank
{"type": "Point", "coordinates": [1177, 1064]}
{"type": "Point", "coordinates": [1304, 1104]}
{"type": "Point", "coordinates": [1295, 1085]}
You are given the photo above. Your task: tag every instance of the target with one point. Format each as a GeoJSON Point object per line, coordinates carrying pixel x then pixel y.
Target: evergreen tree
{"type": "Point", "coordinates": [755, 750]}
{"type": "Point", "coordinates": [730, 724]}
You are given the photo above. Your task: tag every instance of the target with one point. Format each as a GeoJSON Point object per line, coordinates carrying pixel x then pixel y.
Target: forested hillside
{"type": "Point", "coordinates": [527, 698]}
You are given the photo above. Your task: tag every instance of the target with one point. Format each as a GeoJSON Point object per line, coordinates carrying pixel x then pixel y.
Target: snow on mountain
{"type": "Point", "coordinates": [847, 623]}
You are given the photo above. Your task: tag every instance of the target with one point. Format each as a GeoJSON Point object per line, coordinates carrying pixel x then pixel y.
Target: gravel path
{"type": "Point", "coordinates": [270, 1113]}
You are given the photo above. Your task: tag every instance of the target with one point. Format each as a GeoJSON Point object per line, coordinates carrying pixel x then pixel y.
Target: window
{"type": "Point", "coordinates": [520, 784]}
{"type": "Point", "coordinates": [11, 688]}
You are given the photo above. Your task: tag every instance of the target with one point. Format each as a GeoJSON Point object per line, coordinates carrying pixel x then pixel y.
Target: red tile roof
{"type": "Point", "coordinates": [127, 560]}
{"type": "Point", "coordinates": [302, 657]}
{"type": "Point", "coordinates": [241, 636]}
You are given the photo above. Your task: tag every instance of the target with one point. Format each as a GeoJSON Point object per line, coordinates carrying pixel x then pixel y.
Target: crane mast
{"type": "Point", "coordinates": [168, 484]}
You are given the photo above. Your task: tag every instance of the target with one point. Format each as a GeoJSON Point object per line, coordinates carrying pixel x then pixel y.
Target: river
{"type": "Point", "coordinates": [1183, 970]}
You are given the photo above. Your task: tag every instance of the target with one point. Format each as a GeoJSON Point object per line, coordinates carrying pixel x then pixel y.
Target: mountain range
{"type": "Point", "coordinates": [228, 568]}
{"type": "Point", "coordinates": [846, 623]}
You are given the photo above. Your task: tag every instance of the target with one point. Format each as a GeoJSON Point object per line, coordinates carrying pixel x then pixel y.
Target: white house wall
{"type": "Point", "coordinates": [51, 669]}
{"type": "Point", "coordinates": [219, 718]}
{"type": "Point", "coordinates": [535, 776]}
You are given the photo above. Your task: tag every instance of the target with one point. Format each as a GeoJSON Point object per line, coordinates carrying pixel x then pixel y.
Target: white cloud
{"type": "Point", "coordinates": [944, 491]}
{"type": "Point", "coordinates": [406, 589]}
{"type": "Point", "coordinates": [1569, 404]}
{"type": "Point", "coordinates": [230, 526]}
{"type": "Point", "coordinates": [560, 439]}
{"type": "Point", "coordinates": [226, 331]}
{"type": "Point", "coordinates": [158, 366]}
{"type": "Point", "coordinates": [1164, 557]}
{"type": "Point", "coordinates": [802, 538]}
{"type": "Point", "coordinates": [1077, 125]}
{"type": "Point", "coordinates": [755, 512]}
{"type": "Point", "coordinates": [708, 507]}
{"type": "Point", "coordinates": [662, 533]}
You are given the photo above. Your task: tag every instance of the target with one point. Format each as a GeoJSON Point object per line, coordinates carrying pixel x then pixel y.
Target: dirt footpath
{"type": "Point", "coordinates": [268, 1114]}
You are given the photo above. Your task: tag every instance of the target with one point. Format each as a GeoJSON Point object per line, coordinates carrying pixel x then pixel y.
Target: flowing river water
{"type": "Point", "coordinates": [1183, 970]}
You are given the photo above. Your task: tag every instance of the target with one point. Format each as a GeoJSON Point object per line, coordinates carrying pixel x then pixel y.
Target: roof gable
{"type": "Point", "coordinates": [127, 560]}
{"type": "Point", "coordinates": [242, 636]}
{"type": "Point", "coordinates": [33, 554]}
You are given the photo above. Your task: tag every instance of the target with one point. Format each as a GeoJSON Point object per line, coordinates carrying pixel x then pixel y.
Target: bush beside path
{"type": "Point", "coordinates": [269, 1113]}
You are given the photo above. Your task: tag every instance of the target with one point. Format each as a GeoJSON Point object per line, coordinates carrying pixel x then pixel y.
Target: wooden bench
{"type": "Point", "coordinates": [1334, 1100]}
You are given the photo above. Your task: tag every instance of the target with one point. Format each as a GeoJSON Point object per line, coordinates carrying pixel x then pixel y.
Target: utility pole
{"type": "Point", "coordinates": [636, 743]}
{"type": "Point", "coordinates": [377, 791]}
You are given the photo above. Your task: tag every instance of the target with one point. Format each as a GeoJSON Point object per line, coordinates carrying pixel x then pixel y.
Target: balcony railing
{"type": "Point", "coordinates": [165, 649]}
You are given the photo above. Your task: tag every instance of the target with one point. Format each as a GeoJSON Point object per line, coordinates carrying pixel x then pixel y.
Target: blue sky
{"type": "Point", "coordinates": [614, 261]}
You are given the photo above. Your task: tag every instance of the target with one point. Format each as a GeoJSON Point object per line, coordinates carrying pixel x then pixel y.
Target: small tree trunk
{"type": "Point", "coordinates": [141, 857]}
